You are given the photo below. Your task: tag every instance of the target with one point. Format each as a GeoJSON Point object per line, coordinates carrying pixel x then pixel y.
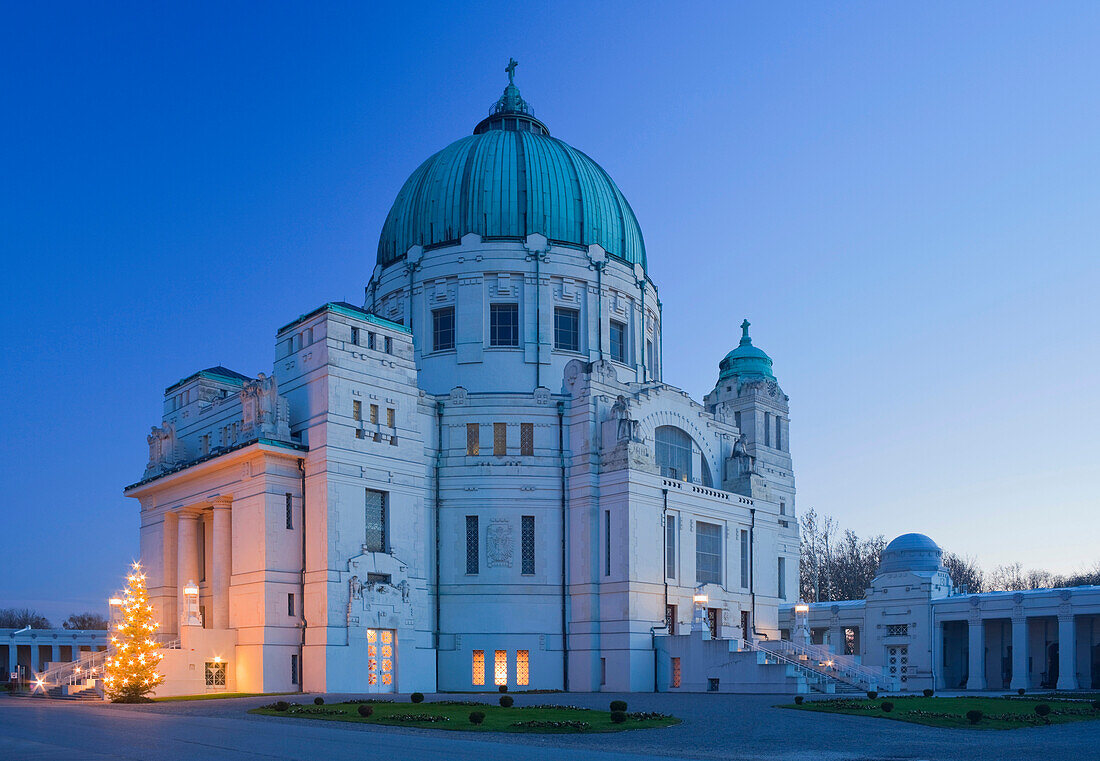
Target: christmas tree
{"type": "Point", "coordinates": [132, 665]}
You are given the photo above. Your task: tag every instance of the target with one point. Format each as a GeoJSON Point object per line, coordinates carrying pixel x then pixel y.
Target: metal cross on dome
{"type": "Point", "coordinates": [745, 329]}
{"type": "Point", "coordinates": [511, 69]}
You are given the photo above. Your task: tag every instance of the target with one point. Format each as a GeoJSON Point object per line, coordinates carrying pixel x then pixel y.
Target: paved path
{"type": "Point", "coordinates": [726, 727]}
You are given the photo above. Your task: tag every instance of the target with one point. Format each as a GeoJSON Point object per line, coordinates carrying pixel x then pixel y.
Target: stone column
{"type": "Point", "coordinates": [1020, 676]}
{"type": "Point", "coordinates": [976, 630]}
{"type": "Point", "coordinates": [187, 557]}
{"type": "Point", "coordinates": [222, 565]}
{"type": "Point", "coordinates": [1067, 651]}
{"type": "Point", "coordinates": [836, 639]}
{"type": "Point", "coordinates": [55, 656]}
{"type": "Point", "coordinates": [937, 655]}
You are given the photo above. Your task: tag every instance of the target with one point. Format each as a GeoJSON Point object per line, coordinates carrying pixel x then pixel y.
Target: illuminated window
{"type": "Point", "coordinates": [356, 410]}
{"type": "Point", "coordinates": [391, 416]}
{"type": "Point", "coordinates": [527, 439]}
{"type": "Point", "coordinates": [527, 545]}
{"type": "Point", "coordinates": [479, 667]}
{"type": "Point", "coordinates": [504, 324]}
{"type": "Point", "coordinates": [522, 669]}
{"type": "Point", "coordinates": [471, 544]}
{"type": "Point", "coordinates": [500, 667]}
{"type": "Point", "coordinates": [500, 439]}
{"type": "Point", "coordinates": [473, 432]}
{"type": "Point", "coordinates": [675, 672]}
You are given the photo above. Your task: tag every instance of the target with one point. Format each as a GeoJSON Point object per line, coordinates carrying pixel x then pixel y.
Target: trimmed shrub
{"type": "Point", "coordinates": [618, 705]}
{"type": "Point", "coordinates": [506, 701]}
{"type": "Point", "coordinates": [476, 717]}
{"type": "Point", "coordinates": [365, 710]}
{"type": "Point", "coordinates": [502, 688]}
{"type": "Point", "coordinates": [1042, 710]}
{"type": "Point", "coordinates": [318, 701]}
{"type": "Point", "coordinates": [281, 705]}
{"type": "Point", "coordinates": [417, 697]}
{"type": "Point", "coordinates": [929, 693]}
{"type": "Point", "coordinates": [618, 717]}
{"type": "Point", "coordinates": [798, 700]}
{"type": "Point", "coordinates": [872, 694]}
{"type": "Point", "coordinates": [887, 706]}
{"type": "Point", "coordinates": [1020, 691]}
{"type": "Point", "coordinates": [1096, 705]}
{"type": "Point", "coordinates": [974, 716]}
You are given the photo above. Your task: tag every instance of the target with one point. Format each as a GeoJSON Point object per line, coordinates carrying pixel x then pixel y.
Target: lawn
{"type": "Point", "coordinates": [1008, 712]}
{"type": "Point", "coordinates": [455, 714]}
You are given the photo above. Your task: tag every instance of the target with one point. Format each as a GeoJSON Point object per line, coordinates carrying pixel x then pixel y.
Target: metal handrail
{"type": "Point", "coordinates": [90, 665]}
{"type": "Point", "coordinates": [821, 660]}
{"type": "Point", "coordinates": [801, 666]}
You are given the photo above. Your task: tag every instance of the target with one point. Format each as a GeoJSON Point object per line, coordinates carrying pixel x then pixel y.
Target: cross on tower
{"type": "Point", "coordinates": [745, 329]}
{"type": "Point", "coordinates": [511, 69]}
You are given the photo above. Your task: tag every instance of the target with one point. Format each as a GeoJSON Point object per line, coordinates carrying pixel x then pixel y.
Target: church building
{"type": "Point", "coordinates": [478, 476]}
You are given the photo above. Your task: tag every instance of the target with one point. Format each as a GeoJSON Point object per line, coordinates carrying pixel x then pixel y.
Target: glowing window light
{"type": "Point", "coordinates": [699, 599]}
{"type": "Point", "coordinates": [522, 667]}
{"type": "Point", "coordinates": [479, 667]}
{"type": "Point", "coordinates": [500, 667]}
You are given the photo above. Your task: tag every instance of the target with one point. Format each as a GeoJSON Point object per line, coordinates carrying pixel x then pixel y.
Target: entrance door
{"type": "Point", "coordinates": [897, 658]}
{"type": "Point", "coordinates": [381, 658]}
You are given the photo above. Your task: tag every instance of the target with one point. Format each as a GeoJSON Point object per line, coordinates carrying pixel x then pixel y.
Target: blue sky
{"type": "Point", "coordinates": [902, 198]}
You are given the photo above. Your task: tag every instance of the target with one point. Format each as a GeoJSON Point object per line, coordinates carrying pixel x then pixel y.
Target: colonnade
{"type": "Point", "coordinates": [189, 557]}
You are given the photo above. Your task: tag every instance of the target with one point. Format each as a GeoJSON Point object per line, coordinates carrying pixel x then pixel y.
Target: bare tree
{"type": "Point", "coordinates": [964, 571]}
{"type": "Point", "coordinates": [17, 618]}
{"type": "Point", "coordinates": [85, 621]}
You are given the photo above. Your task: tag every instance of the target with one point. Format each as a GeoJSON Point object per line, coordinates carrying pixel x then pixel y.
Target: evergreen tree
{"type": "Point", "coordinates": [132, 666]}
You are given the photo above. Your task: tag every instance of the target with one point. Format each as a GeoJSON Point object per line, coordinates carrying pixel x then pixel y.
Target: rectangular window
{"type": "Point", "coordinates": [294, 669]}
{"type": "Point", "coordinates": [618, 341]}
{"type": "Point", "coordinates": [443, 329]}
{"type": "Point", "coordinates": [744, 559]}
{"type": "Point", "coordinates": [708, 553]}
{"type": "Point", "coordinates": [527, 544]}
{"type": "Point", "coordinates": [779, 433]}
{"type": "Point", "coordinates": [391, 417]}
{"type": "Point", "coordinates": [370, 340]}
{"type": "Point", "coordinates": [670, 546]}
{"type": "Point", "coordinates": [675, 672]}
{"type": "Point", "coordinates": [376, 521]}
{"type": "Point", "coordinates": [670, 619]}
{"type": "Point", "coordinates": [479, 668]}
{"type": "Point", "coordinates": [607, 542]}
{"type": "Point", "coordinates": [472, 565]}
{"type": "Point", "coordinates": [355, 336]}
{"type": "Point", "coordinates": [566, 329]}
{"type": "Point", "coordinates": [767, 429]}
{"type": "Point", "coordinates": [289, 511]}
{"type": "Point", "coordinates": [500, 667]}
{"type": "Point", "coordinates": [374, 414]}
{"type": "Point", "coordinates": [215, 674]}
{"type": "Point", "coordinates": [897, 630]}
{"type": "Point", "coordinates": [523, 668]}
{"type": "Point", "coordinates": [504, 324]}
{"type": "Point", "coordinates": [603, 671]}
{"type": "Point", "coordinates": [290, 604]}
{"type": "Point", "coordinates": [527, 439]}
{"type": "Point", "coordinates": [473, 432]}
{"type": "Point", "coordinates": [737, 419]}
{"type": "Point", "coordinates": [356, 410]}
{"type": "Point", "coordinates": [500, 439]}
{"type": "Point", "coordinates": [782, 578]}
{"type": "Point", "coordinates": [389, 345]}
{"type": "Point", "coordinates": [650, 359]}
{"type": "Point", "coordinates": [712, 622]}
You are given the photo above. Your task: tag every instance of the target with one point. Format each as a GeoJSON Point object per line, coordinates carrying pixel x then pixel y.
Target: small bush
{"type": "Point", "coordinates": [973, 716]}
{"type": "Point", "coordinates": [872, 694]}
{"type": "Point", "coordinates": [929, 693]}
{"type": "Point", "coordinates": [1042, 710]}
{"type": "Point", "coordinates": [318, 701]}
{"type": "Point", "coordinates": [502, 688]}
{"type": "Point", "coordinates": [1096, 705]}
{"type": "Point", "coordinates": [618, 717]}
{"type": "Point", "coordinates": [1021, 691]}
{"type": "Point", "coordinates": [798, 700]}
{"type": "Point", "coordinates": [476, 717]}
{"type": "Point", "coordinates": [887, 706]}
{"type": "Point", "coordinates": [365, 710]}
{"type": "Point", "coordinates": [506, 701]}
{"type": "Point", "coordinates": [417, 697]}
{"type": "Point", "coordinates": [618, 705]}
{"type": "Point", "coordinates": [281, 705]}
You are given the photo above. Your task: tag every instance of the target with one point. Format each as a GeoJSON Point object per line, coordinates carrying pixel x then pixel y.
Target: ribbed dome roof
{"type": "Point", "coordinates": [509, 180]}
{"type": "Point", "coordinates": [911, 552]}
{"type": "Point", "coordinates": [746, 360]}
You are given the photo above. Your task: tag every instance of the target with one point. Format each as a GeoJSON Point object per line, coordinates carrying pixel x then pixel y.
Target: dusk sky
{"type": "Point", "coordinates": [903, 199]}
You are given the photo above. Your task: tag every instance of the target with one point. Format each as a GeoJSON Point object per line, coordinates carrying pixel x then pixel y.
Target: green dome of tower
{"type": "Point", "coordinates": [746, 360]}
{"type": "Point", "coordinates": [511, 179]}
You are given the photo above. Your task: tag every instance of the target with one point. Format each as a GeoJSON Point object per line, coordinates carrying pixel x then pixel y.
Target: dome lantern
{"type": "Point", "coordinates": [746, 360]}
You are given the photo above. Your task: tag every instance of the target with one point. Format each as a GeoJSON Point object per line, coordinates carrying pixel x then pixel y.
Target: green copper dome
{"type": "Point", "coordinates": [511, 179]}
{"type": "Point", "coordinates": [746, 359]}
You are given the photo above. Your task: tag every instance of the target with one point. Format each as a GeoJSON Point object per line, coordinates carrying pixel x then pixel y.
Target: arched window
{"type": "Point", "coordinates": [673, 449]}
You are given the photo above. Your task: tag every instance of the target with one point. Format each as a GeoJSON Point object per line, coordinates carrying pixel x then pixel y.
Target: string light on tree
{"type": "Point", "coordinates": [132, 669]}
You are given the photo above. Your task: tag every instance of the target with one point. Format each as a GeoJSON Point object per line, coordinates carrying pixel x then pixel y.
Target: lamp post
{"type": "Point", "coordinates": [698, 616]}
{"type": "Point", "coordinates": [191, 615]}
{"type": "Point", "coordinates": [801, 623]}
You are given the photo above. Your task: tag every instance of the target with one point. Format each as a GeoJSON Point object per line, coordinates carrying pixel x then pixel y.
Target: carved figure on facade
{"type": "Point", "coordinates": [263, 412]}
{"type": "Point", "coordinates": [165, 448]}
{"type": "Point", "coordinates": [743, 462]}
{"type": "Point", "coordinates": [627, 426]}
{"type": "Point", "coordinates": [498, 543]}
{"type": "Point", "coordinates": [356, 588]}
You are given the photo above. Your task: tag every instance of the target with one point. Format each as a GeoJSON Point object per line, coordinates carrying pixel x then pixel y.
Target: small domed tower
{"type": "Point", "coordinates": [748, 395]}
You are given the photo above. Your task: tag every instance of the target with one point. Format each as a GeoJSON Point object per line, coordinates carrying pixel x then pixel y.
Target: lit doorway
{"type": "Point", "coordinates": [381, 659]}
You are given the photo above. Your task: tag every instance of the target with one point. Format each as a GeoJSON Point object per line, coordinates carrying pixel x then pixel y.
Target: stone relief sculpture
{"type": "Point", "coordinates": [498, 543]}
{"type": "Point", "coordinates": [165, 448]}
{"type": "Point", "coordinates": [628, 427]}
{"type": "Point", "coordinates": [742, 461]}
{"type": "Point", "coordinates": [356, 588]}
{"type": "Point", "coordinates": [263, 411]}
